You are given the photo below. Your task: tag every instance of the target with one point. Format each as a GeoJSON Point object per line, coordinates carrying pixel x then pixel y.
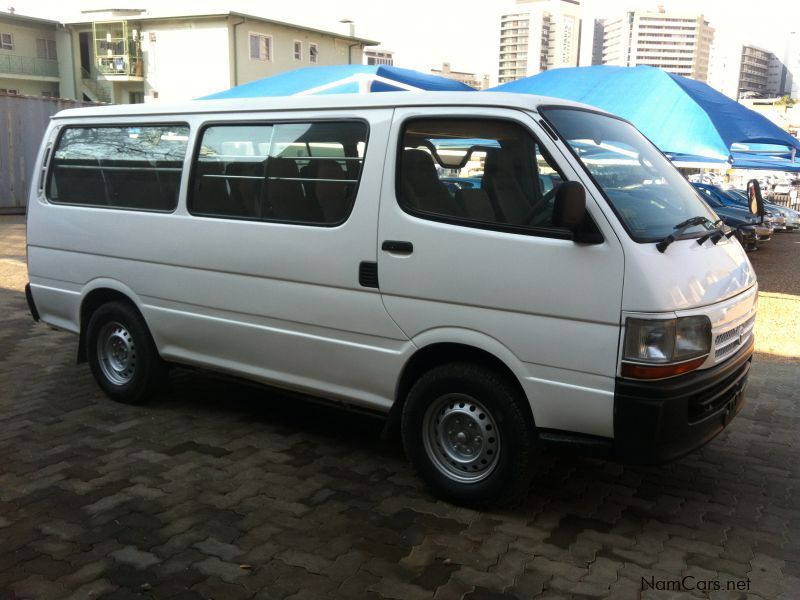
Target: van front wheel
{"type": "Point", "coordinates": [469, 435]}
{"type": "Point", "coordinates": [122, 355]}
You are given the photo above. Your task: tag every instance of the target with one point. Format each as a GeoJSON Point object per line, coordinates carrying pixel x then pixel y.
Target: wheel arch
{"type": "Point", "coordinates": [437, 353]}
{"type": "Point", "coordinates": [93, 296]}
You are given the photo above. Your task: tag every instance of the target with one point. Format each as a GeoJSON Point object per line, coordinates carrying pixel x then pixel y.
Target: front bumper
{"type": "Point", "coordinates": [659, 421]}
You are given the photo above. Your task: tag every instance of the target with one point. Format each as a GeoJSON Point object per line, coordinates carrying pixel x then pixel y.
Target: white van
{"type": "Point", "coordinates": [491, 271]}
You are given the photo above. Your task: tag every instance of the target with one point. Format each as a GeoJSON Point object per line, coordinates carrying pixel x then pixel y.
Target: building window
{"type": "Point", "coordinates": [6, 41]}
{"type": "Point", "coordinates": [312, 53]}
{"type": "Point", "coordinates": [46, 49]}
{"type": "Point", "coordinates": [298, 50]}
{"type": "Point", "coordinates": [260, 47]}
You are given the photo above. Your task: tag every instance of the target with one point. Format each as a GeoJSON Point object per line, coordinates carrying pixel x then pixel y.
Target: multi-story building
{"type": "Point", "coordinates": [591, 50]}
{"type": "Point", "coordinates": [29, 56]}
{"type": "Point", "coordinates": [754, 72]}
{"type": "Point", "coordinates": [680, 44]}
{"type": "Point", "coordinates": [378, 56]}
{"type": "Point", "coordinates": [126, 56]}
{"type": "Point", "coordinates": [129, 55]}
{"type": "Point", "coordinates": [741, 70]}
{"type": "Point", "coordinates": [537, 35]}
{"type": "Point", "coordinates": [479, 82]}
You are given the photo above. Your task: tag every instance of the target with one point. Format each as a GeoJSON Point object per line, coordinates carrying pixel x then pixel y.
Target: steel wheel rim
{"type": "Point", "coordinates": [461, 438]}
{"type": "Point", "coordinates": [116, 353]}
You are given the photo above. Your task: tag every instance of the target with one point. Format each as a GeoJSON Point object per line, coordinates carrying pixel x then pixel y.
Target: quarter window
{"type": "Point", "coordinates": [305, 173]}
{"type": "Point", "coordinates": [477, 172]}
{"type": "Point", "coordinates": [133, 167]}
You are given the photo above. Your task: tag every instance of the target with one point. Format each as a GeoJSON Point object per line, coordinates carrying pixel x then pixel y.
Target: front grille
{"type": "Point", "coordinates": [731, 340]}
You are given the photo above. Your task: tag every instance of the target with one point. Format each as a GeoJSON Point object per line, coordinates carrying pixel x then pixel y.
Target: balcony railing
{"type": "Point", "coordinates": [27, 65]}
{"type": "Point", "coordinates": [123, 64]}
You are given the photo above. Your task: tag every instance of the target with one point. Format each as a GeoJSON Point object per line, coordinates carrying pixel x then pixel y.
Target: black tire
{"type": "Point", "coordinates": [140, 371]}
{"type": "Point", "coordinates": [451, 392]}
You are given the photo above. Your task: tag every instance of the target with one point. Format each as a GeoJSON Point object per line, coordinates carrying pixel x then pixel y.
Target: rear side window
{"type": "Point", "coordinates": [305, 173]}
{"type": "Point", "coordinates": [487, 173]}
{"type": "Point", "coordinates": [133, 167]}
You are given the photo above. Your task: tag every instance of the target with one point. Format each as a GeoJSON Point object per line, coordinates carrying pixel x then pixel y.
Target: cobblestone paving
{"type": "Point", "coordinates": [222, 490]}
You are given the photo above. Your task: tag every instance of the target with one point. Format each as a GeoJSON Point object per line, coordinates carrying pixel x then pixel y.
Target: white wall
{"type": "Point", "coordinates": [187, 59]}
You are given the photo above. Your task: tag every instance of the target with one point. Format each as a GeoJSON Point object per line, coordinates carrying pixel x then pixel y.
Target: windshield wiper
{"type": "Point", "coordinates": [679, 229]}
{"type": "Point", "coordinates": [717, 234]}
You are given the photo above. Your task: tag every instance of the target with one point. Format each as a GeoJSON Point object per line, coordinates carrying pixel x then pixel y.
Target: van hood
{"type": "Point", "coordinates": [686, 276]}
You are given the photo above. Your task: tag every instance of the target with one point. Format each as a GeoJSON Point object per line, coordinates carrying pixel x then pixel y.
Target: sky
{"type": "Point", "coordinates": [425, 33]}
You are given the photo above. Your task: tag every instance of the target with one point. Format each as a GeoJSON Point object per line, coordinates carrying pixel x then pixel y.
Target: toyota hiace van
{"type": "Point", "coordinates": [490, 271]}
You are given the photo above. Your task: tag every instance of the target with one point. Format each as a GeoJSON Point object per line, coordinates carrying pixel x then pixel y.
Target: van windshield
{"type": "Point", "coordinates": [648, 195]}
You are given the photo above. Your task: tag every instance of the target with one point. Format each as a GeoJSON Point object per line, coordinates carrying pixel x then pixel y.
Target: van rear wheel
{"type": "Point", "coordinates": [122, 355]}
{"type": "Point", "coordinates": [469, 434]}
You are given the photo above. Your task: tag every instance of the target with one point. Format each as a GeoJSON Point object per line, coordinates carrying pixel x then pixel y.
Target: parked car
{"type": "Point", "coordinates": [791, 217]}
{"type": "Point", "coordinates": [749, 228]}
{"type": "Point", "coordinates": [309, 243]}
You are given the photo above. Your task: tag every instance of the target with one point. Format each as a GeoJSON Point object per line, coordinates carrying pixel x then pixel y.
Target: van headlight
{"type": "Point", "coordinates": [659, 348]}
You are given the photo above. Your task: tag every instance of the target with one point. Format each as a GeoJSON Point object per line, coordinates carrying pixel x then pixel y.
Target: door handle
{"type": "Point", "coordinates": [397, 247]}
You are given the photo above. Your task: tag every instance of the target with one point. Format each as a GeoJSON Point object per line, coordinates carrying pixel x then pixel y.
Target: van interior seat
{"type": "Point", "coordinates": [334, 198]}
{"type": "Point", "coordinates": [134, 184]}
{"type": "Point", "coordinates": [79, 181]}
{"type": "Point", "coordinates": [285, 194]}
{"type": "Point", "coordinates": [421, 187]}
{"type": "Point", "coordinates": [500, 180]}
{"type": "Point", "coordinates": [213, 194]}
{"type": "Point", "coordinates": [476, 204]}
{"type": "Point", "coordinates": [245, 183]}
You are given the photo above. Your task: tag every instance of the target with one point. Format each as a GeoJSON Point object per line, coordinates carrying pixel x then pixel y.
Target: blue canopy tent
{"type": "Point", "coordinates": [679, 115]}
{"type": "Point", "coordinates": [342, 79]}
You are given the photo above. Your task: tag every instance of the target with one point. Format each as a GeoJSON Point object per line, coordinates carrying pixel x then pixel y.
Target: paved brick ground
{"type": "Point", "coordinates": [220, 490]}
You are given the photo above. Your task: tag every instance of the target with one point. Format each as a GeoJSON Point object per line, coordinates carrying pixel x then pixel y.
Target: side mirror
{"type": "Point", "coordinates": [755, 200]}
{"type": "Point", "coordinates": [569, 208]}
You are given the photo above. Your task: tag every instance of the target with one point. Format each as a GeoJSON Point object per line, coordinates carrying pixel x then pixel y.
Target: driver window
{"type": "Point", "coordinates": [478, 172]}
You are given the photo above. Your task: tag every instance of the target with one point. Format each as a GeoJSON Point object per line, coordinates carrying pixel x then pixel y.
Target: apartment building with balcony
{"type": "Point", "coordinates": [29, 55]}
{"type": "Point", "coordinates": [537, 35]}
{"type": "Point", "coordinates": [125, 56]}
{"type": "Point", "coordinates": [677, 43]}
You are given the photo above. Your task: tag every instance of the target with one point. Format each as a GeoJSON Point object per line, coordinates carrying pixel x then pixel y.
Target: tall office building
{"type": "Point", "coordinates": [754, 72]}
{"type": "Point", "coordinates": [537, 35]}
{"type": "Point", "coordinates": [680, 44]}
{"type": "Point", "coordinates": [741, 70]}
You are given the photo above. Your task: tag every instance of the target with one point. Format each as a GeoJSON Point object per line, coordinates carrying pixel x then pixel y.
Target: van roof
{"type": "Point", "coordinates": [321, 102]}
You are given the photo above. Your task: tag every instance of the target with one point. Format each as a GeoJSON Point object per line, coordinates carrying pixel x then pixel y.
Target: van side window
{"type": "Point", "coordinates": [133, 167]}
{"type": "Point", "coordinates": [476, 172]}
{"type": "Point", "coordinates": [305, 173]}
